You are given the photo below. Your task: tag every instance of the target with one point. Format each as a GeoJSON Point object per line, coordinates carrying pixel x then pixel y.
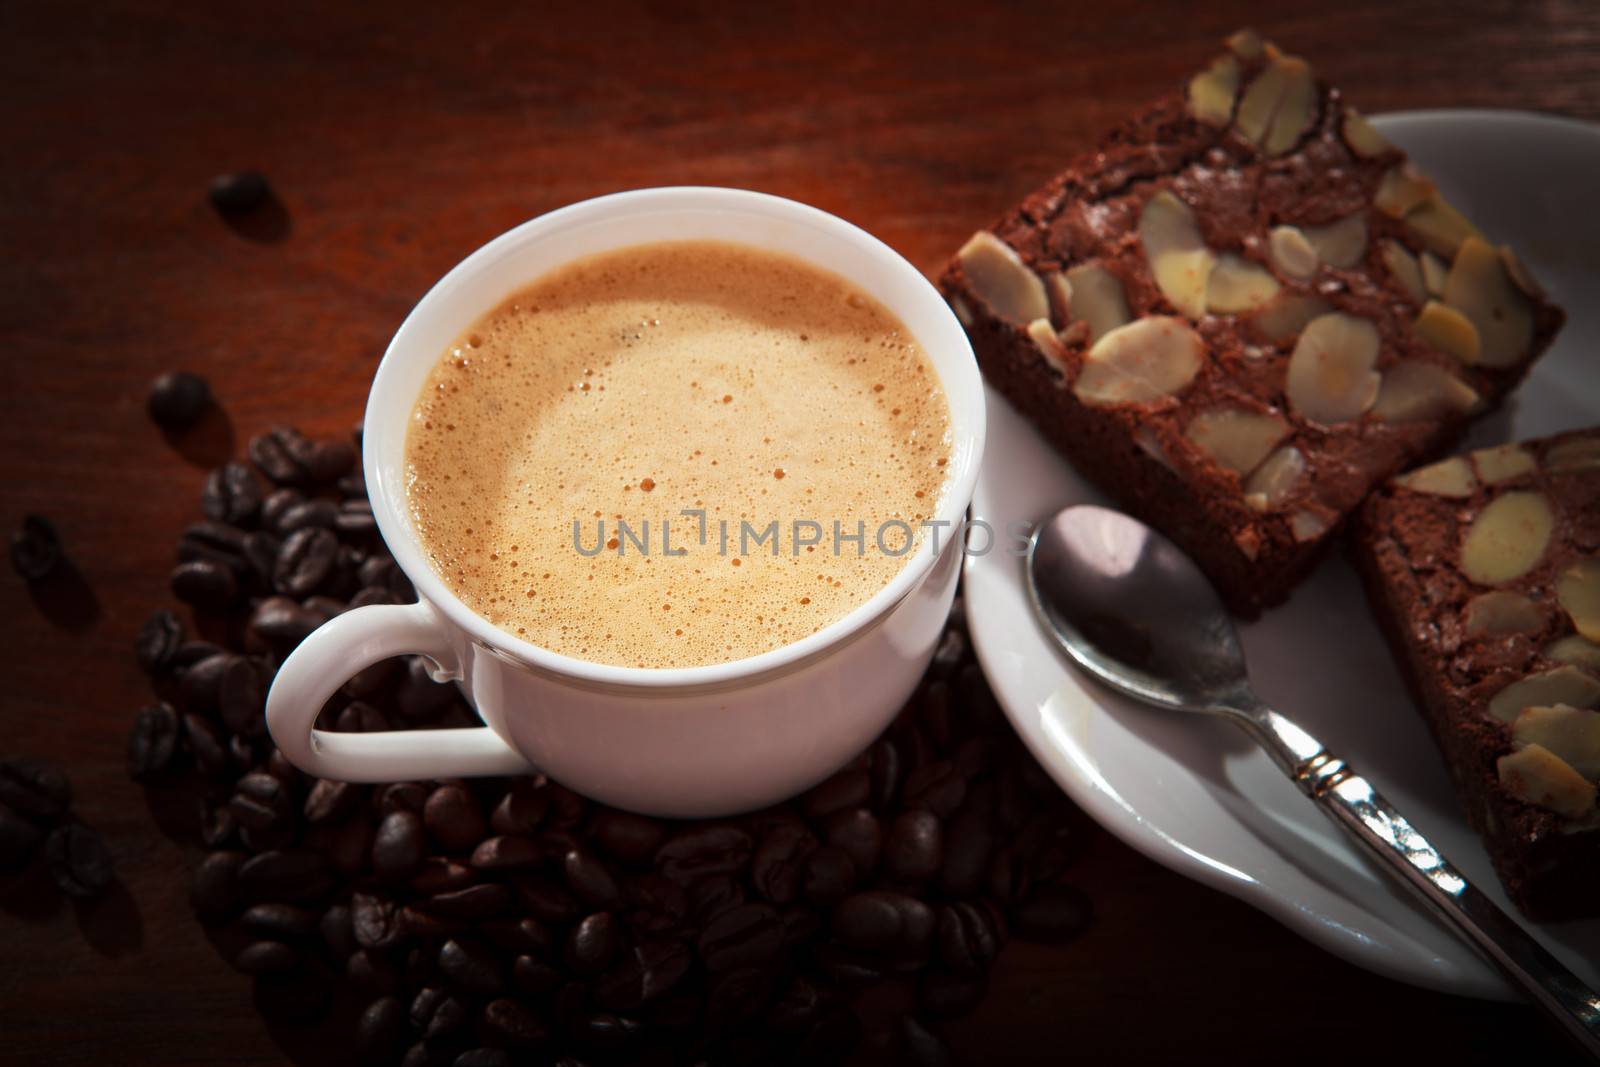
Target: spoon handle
{"type": "Point", "coordinates": [1353, 802]}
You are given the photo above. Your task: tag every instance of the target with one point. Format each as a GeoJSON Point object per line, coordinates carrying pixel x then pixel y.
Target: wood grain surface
{"type": "Point", "coordinates": [399, 137]}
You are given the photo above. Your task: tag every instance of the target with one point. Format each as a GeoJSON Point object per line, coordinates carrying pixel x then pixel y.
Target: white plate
{"type": "Point", "coordinates": [1194, 794]}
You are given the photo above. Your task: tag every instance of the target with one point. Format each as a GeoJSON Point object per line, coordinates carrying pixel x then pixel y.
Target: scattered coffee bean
{"type": "Point", "coordinates": [177, 399]}
{"type": "Point", "coordinates": [397, 849]}
{"type": "Point", "coordinates": [266, 957]}
{"type": "Point", "coordinates": [34, 789]}
{"type": "Point", "coordinates": [231, 494]}
{"type": "Point", "coordinates": [453, 818]}
{"type": "Point", "coordinates": [914, 850]}
{"type": "Point", "coordinates": [153, 743]}
{"type": "Point", "coordinates": [382, 1031]}
{"type": "Point", "coordinates": [593, 944]}
{"type": "Point", "coordinates": [158, 641]}
{"type": "Point", "coordinates": [239, 193]}
{"type": "Point", "coordinates": [79, 861]}
{"type": "Point", "coordinates": [205, 583]}
{"type": "Point", "coordinates": [35, 548]}
{"type": "Point", "coordinates": [306, 558]}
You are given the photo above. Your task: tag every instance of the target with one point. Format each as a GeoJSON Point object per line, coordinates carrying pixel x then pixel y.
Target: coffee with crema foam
{"type": "Point", "coordinates": [662, 456]}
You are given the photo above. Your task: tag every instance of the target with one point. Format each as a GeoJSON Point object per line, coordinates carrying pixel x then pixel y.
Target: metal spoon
{"type": "Point", "coordinates": [1131, 609]}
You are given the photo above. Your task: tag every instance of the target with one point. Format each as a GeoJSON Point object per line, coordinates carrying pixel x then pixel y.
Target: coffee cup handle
{"type": "Point", "coordinates": [339, 649]}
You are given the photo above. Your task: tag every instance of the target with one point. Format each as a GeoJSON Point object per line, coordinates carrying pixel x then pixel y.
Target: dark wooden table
{"type": "Point", "coordinates": [399, 141]}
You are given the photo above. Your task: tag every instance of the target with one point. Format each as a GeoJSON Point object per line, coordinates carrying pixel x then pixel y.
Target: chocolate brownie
{"type": "Point", "coordinates": [1485, 572]}
{"type": "Point", "coordinates": [1242, 311]}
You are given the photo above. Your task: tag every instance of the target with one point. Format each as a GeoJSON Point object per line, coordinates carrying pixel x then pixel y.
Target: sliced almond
{"type": "Point", "coordinates": [1572, 734]}
{"type": "Point", "coordinates": [1402, 188]}
{"type": "Point", "coordinates": [1537, 776]}
{"type": "Point", "coordinates": [1561, 685]}
{"type": "Point", "coordinates": [1415, 390]}
{"type": "Point", "coordinates": [1292, 252]}
{"type": "Point", "coordinates": [1508, 538]}
{"type": "Point", "coordinates": [1448, 330]}
{"type": "Point", "coordinates": [1282, 320]}
{"type": "Point", "coordinates": [1500, 613]}
{"type": "Point", "coordinates": [1434, 273]}
{"type": "Point", "coordinates": [1577, 454]}
{"type": "Point", "coordinates": [1275, 479]}
{"type": "Point", "coordinates": [1449, 477]}
{"type": "Point", "coordinates": [1502, 463]}
{"type": "Point", "coordinates": [1179, 259]}
{"type": "Point", "coordinates": [1238, 284]}
{"type": "Point", "coordinates": [1578, 592]}
{"type": "Point", "coordinates": [1520, 273]}
{"type": "Point", "coordinates": [1403, 265]}
{"type": "Point", "coordinates": [1362, 137]}
{"type": "Point", "coordinates": [1574, 650]}
{"type": "Point", "coordinates": [1247, 45]}
{"type": "Point", "coordinates": [1307, 526]}
{"type": "Point", "coordinates": [1481, 288]}
{"type": "Point", "coordinates": [1098, 299]}
{"type": "Point", "coordinates": [1440, 226]}
{"type": "Point", "coordinates": [1150, 445]}
{"type": "Point", "coordinates": [1048, 344]}
{"type": "Point", "coordinates": [1058, 292]}
{"type": "Point", "coordinates": [1279, 105]}
{"type": "Point", "coordinates": [1339, 244]}
{"type": "Point", "coordinates": [1330, 371]}
{"type": "Point", "coordinates": [1235, 438]}
{"type": "Point", "coordinates": [1148, 359]}
{"type": "Point", "coordinates": [998, 277]}
{"type": "Point", "coordinates": [963, 312]}
{"type": "Point", "coordinates": [1213, 91]}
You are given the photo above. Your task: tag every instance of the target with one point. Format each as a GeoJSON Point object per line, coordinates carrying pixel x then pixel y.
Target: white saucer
{"type": "Point", "coordinates": [1194, 794]}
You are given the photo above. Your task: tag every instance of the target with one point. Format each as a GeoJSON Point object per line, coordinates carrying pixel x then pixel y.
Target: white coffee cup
{"type": "Point", "coordinates": [687, 742]}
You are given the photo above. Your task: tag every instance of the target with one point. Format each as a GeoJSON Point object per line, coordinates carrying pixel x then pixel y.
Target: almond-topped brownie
{"type": "Point", "coordinates": [1485, 572]}
{"type": "Point", "coordinates": [1242, 311]}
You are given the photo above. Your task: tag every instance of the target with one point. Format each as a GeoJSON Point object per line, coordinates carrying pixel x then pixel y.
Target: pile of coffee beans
{"type": "Point", "coordinates": [35, 813]}
{"type": "Point", "coordinates": [474, 923]}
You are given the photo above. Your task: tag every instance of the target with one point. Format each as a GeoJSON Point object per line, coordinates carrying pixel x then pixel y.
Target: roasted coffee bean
{"type": "Point", "coordinates": [648, 972]}
{"type": "Point", "coordinates": [398, 846]}
{"type": "Point", "coordinates": [34, 789]}
{"type": "Point", "coordinates": [214, 889]}
{"type": "Point", "coordinates": [470, 967]}
{"type": "Point", "coordinates": [279, 922]}
{"type": "Point", "coordinates": [508, 1023]}
{"type": "Point", "coordinates": [735, 996]}
{"type": "Point", "coordinates": [937, 787]}
{"type": "Point", "coordinates": [372, 595]}
{"type": "Point", "coordinates": [321, 514]}
{"type": "Point", "coordinates": [382, 1030]}
{"type": "Point", "coordinates": [35, 548]}
{"type": "Point", "coordinates": [694, 854]}
{"type": "Point", "coordinates": [453, 818]}
{"type": "Point", "coordinates": [153, 742]}
{"type": "Point", "coordinates": [205, 746]}
{"type": "Point", "coordinates": [917, 1046]}
{"type": "Point", "coordinates": [420, 698]}
{"type": "Point", "coordinates": [507, 853]}
{"type": "Point", "coordinates": [482, 1057]}
{"type": "Point", "coordinates": [337, 930]}
{"type": "Point", "coordinates": [231, 494]}
{"type": "Point", "coordinates": [779, 862]}
{"type": "Point", "coordinates": [950, 654]}
{"type": "Point", "coordinates": [656, 904]}
{"type": "Point", "coordinates": [968, 939]}
{"type": "Point", "coordinates": [177, 399]}
{"type": "Point", "coordinates": [328, 461]}
{"type": "Point", "coordinates": [886, 774]}
{"type": "Point", "coordinates": [545, 900]}
{"type": "Point", "coordinates": [749, 935]}
{"type": "Point", "coordinates": [914, 850]}
{"type": "Point", "coordinates": [800, 926]}
{"type": "Point", "coordinates": [800, 1004]}
{"type": "Point", "coordinates": [883, 922]}
{"type": "Point", "coordinates": [829, 876]}
{"type": "Point", "coordinates": [535, 977]}
{"type": "Point", "coordinates": [593, 944]}
{"type": "Point", "coordinates": [260, 551]}
{"type": "Point", "coordinates": [1007, 878]}
{"type": "Point", "coordinates": [330, 801]}
{"type": "Point", "coordinates": [282, 622]}
{"type": "Point", "coordinates": [1051, 914]}
{"type": "Point", "coordinates": [830, 1038]}
{"type": "Point", "coordinates": [304, 561]}
{"type": "Point", "coordinates": [285, 874]}
{"type": "Point", "coordinates": [376, 921]}
{"type": "Point", "coordinates": [79, 862]}
{"type": "Point", "coordinates": [353, 486]}
{"type": "Point", "coordinates": [239, 193]}
{"type": "Point", "coordinates": [858, 832]}
{"type": "Point", "coordinates": [625, 837]}
{"type": "Point", "coordinates": [277, 504]}
{"type": "Point", "coordinates": [283, 455]}
{"type": "Point", "coordinates": [266, 957]}
{"type": "Point", "coordinates": [474, 902]}
{"type": "Point", "coordinates": [850, 788]}
{"type": "Point", "coordinates": [589, 880]}
{"type": "Point", "coordinates": [242, 698]}
{"type": "Point", "coordinates": [445, 1030]}
{"type": "Point", "coordinates": [968, 842]}
{"type": "Point", "coordinates": [200, 688]}
{"type": "Point", "coordinates": [977, 757]}
{"type": "Point", "coordinates": [520, 936]}
{"type": "Point", "coordinates": [205, 583]}
{"type": "Point", "coordinates": [18, 839]}
{"type": "Point", "coordinates": [949, 996]}
{"type": "Point", "coordinates": [440, 874]}
{"type": "Point", "coordinates": [260, 802]}
{"type": "Point", "coordinates": [359, 717]}
{"type": "Point", "coordinates": [710, 897]}
{"type": "Point", "coordinates": [226, 541]}
{"type": "Point", "coordinates": [372, 973]}
{"type": "Point", "coordinates": [369, 682]}
{"type": "Point", "coordinates": [355, 519]}
{"type": "Point", "coordinates": [157, 642]}
{"type": "Point", "coordinates": [521, 811]}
